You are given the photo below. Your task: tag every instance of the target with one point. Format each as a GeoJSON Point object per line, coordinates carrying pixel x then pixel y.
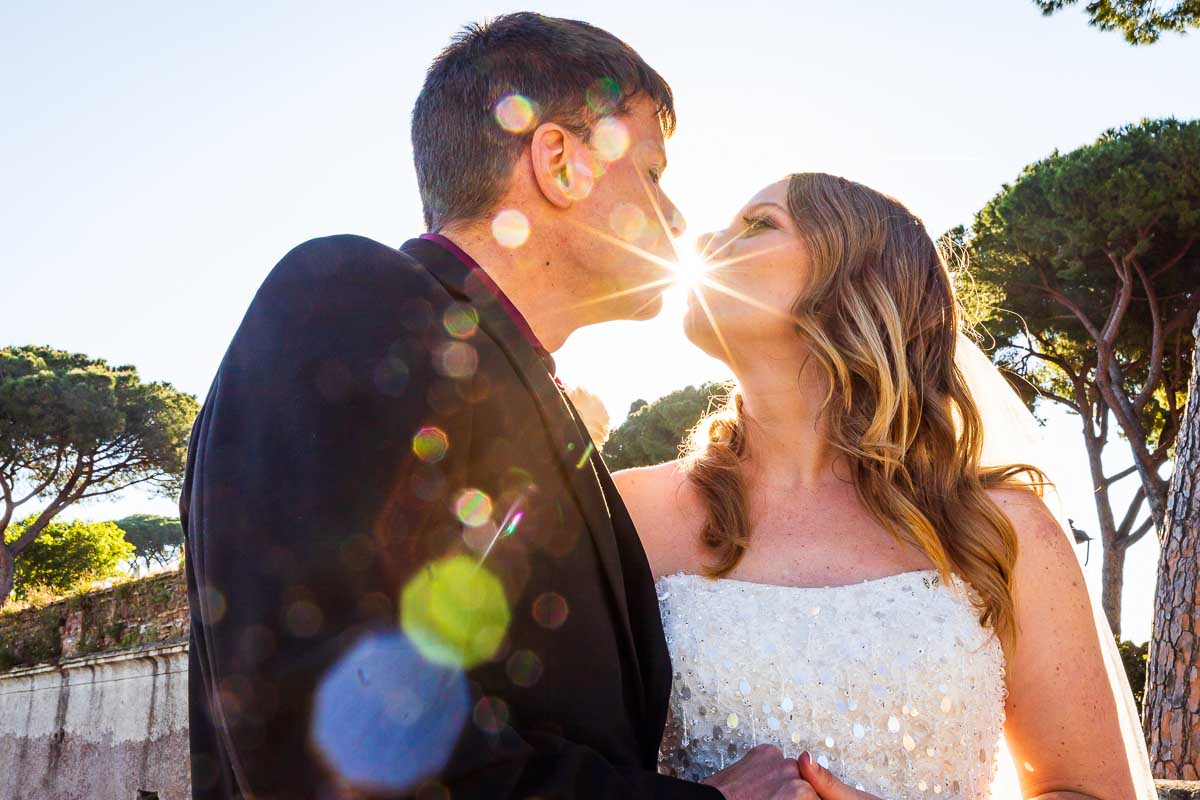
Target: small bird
{"type": "Point", "coordinates": [1081, 536]}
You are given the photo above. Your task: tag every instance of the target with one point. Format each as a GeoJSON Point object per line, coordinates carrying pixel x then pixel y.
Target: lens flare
{"type": "Point", "coordinates": [430, 444]}
{"type": "Point", "coordinates": [510, 228]}
{"type": "Point", "coordinates": [460, 321]}
{"type": "Point", "coordinates": [384, 718]}
{"type": "Point", "coordinates": [213, 603]}
{"type": "Point", "coordinates": [586, 457]}
{"type": "Point", "coordinates": [603, 97]}
{"type": "Point", "coordinates": [455, 612]}
{"type": "Point", "coordinates": [550, 610]}
{"type": "Point", "coordinates": [473, 507]}
{"type": "Point", "coordinates": [610, 139]}
{"type": "Point", "coordinates": [690, 272]}
{"type": "Point", "coordinates": [580, 179]}
{"type": "Point", "coordinates": [457, 360]}
{"type": "Point", "coordinates": [515, 113]}
{"type": "Point", "coordinates": [511, 527]}
{"type": "Point", "coordinates": [627, 221]}
{"type": "Point", "coordinates": [391, 376]}
{"type": "Point", "coordinates": [524, 668]}
{"type": "Point", "coordinates": [303, 619]}
{"type": "Point", "coordinates": [490, 714]}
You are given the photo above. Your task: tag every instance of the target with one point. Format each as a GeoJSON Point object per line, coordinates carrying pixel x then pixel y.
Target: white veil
{"type": "Point", "coordinates": [1010, 436]}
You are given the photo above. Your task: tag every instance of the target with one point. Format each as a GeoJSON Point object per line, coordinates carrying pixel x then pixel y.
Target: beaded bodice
{"type": "Point", "coordinates": [891, 683]}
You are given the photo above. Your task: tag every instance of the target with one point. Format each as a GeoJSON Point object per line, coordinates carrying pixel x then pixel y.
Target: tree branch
{"type": "Point", "coordinates": [1111, 384]}
{"type": "Point", "coordinates": [1135, 506]}
{"type": "Point", "coordinates": [1050, 358]}
{"type": "Point", "coordinates": [34, 530]}
{"type": "Point", "coordinates": [1120, 303]}
{"type": "Point", "coordinates": [1067, 303]}
{"type": "Point", "coordinates": [1173, 260]}
{"type": "Point", "coordinates": [1125, 473]}
{"type": "Point", "coordinates": [1139, 532]}
{"type": "Point", "coordinates": [9, 507]}
{"type": "Point", "coordinates": [53, 474]}
{"type": "Point", "coordinates": [1156, 340]}
{"type": "Point", "coordinates": [1184, 317]}
{"type": "Point", "coordinates": [113, 489]}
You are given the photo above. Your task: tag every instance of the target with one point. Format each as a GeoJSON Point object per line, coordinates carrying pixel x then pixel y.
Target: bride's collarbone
{"type": "Point", "coordinates": [827, 557]}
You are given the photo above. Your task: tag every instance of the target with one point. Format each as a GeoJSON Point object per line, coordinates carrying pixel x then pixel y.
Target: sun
{"type": "Point", "coordinates": [689, 270]}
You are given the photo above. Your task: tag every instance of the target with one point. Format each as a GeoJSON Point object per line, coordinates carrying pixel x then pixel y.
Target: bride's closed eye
{"type": "Point", "coordinates": [755, 224]}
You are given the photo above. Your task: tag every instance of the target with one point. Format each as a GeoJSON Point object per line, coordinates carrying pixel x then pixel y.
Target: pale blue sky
{"type": "Point", "coordinates": [158, 162]}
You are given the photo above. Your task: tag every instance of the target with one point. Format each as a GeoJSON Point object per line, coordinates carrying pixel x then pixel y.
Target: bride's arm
{"type": "Point", "coordinates": [1062, 725]}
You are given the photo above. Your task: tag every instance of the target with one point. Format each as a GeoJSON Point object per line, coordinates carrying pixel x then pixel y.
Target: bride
{"type": "Point", "coordinates": [838, 575]}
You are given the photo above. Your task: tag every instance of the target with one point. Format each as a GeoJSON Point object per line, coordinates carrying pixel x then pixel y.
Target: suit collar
{"type": "Point", "coordinates": [472, 280]}
{"type": "Point", "coordinates": [574, 448]}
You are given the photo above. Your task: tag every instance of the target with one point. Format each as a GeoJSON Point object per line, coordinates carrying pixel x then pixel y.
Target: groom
{"type": "Point", "coordinates": [383, 417]}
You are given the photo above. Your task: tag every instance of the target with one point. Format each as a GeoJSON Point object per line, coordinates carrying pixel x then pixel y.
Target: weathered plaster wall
{"type": "Point", "coordinates": [108, 725]}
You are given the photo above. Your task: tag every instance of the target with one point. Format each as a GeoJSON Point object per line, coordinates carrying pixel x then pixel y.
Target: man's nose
{"type": "Point", "coordinates": [675, 221]}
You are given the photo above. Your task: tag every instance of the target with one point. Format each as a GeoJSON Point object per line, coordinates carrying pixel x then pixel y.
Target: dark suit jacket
{"type": "Point", "coordinates": [307, 509]}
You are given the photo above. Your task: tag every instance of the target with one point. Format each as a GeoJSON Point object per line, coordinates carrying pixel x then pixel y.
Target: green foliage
{"type": "Point", "coordinates": [1142, 21]}
{"type": "Point", "coordinates": [1084, 273]}
{"type": "Point", "coordinates": [67, 554]}
{"type": "Point", "coordinates": [40, 642]}
{"type": "Point", "coordinates": [65, 407]}
{"type": "Point", "coordinates": [1134, 657]}
{"type": "Point", "coordinates": [1056, 248]}
{"type": "Point", "coordinates": [8, 658]}
{"type": "Point", "coordinates": [653, 432]}
{"type": "Point", "coordinates": [154, 538]}
{"type": "Point", "coordinates": [73, 427]}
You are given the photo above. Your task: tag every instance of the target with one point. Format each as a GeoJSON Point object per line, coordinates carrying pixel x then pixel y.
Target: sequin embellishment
{"type": "Point", "coordinates": [890, 683]}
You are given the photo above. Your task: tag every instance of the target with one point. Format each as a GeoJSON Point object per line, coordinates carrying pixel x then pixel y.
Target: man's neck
{"type": "Point", "coordinates": [528, 277]}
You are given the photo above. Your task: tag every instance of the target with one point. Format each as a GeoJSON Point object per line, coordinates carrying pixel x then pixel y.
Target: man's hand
{"type": "Point", "coordinates": [823, 782]}
{"type": "Point", "coordinates": [764, 774]}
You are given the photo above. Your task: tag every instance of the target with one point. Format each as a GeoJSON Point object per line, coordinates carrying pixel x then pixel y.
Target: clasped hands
{"type": "Point", "coordinates": [764, 774]}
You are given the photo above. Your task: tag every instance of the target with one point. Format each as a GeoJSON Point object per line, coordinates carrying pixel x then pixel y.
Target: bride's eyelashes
{"type": "Point", "coordinates": [755, 224]}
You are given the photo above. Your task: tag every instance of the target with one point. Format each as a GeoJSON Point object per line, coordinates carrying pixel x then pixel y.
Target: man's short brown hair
{"type": "Point", "coordinates": [572, 73]}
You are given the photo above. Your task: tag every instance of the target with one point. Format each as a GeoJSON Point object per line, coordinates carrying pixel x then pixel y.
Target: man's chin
{"type": "Point", "coordinates": [649, 309]}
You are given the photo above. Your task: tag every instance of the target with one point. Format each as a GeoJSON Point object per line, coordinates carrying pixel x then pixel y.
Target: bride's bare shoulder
{"type": "Point", "coordinates": [656, 471]}
{"type": "Point", "coordinates": [649, 487]}
{"type": "Point", "coordinates": [1032, 520]}
{"type": "Point", "coordinates": [664, 509]}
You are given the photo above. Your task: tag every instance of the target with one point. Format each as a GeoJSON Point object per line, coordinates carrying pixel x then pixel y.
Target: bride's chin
{"type": "Point", "coordinates": [696, 326]}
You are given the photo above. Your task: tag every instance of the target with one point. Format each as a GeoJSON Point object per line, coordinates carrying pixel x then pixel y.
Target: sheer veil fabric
{"type": "Point", "coordinates": [1010, 435]}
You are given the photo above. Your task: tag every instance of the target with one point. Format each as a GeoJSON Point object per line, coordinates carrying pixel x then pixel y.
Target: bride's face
{"type": "Point", "coordinates": [758, 266]}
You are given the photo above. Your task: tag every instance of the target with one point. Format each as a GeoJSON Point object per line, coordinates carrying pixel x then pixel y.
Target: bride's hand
{"type": "Point", "coordinates": [825, 784]}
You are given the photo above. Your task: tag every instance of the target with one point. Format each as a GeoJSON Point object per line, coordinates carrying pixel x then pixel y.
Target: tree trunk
{"type": "Point", "coordinates": [1113, 570]}
{"type": "Point", "coordinates": [7, 573]}
{"type": "Point", "coordinates": [1112, 578]}
{"type": "Point", "coordinates": [1172, 700]}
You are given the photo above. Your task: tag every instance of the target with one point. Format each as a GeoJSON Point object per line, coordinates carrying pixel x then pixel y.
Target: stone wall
{"type": "Point", "coordinates": [140, 612]}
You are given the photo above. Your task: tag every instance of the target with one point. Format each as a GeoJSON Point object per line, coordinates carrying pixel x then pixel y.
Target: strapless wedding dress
{"type": "Point", "coordinates": [891, 683]}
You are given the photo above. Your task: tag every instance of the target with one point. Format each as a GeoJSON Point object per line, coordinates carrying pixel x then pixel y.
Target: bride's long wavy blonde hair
{"type": "Point", "coordinates": [880, 320]}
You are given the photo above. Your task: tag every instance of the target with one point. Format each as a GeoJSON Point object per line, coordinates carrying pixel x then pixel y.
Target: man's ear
{"type": "Point", "coordinates": [560, 165]}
